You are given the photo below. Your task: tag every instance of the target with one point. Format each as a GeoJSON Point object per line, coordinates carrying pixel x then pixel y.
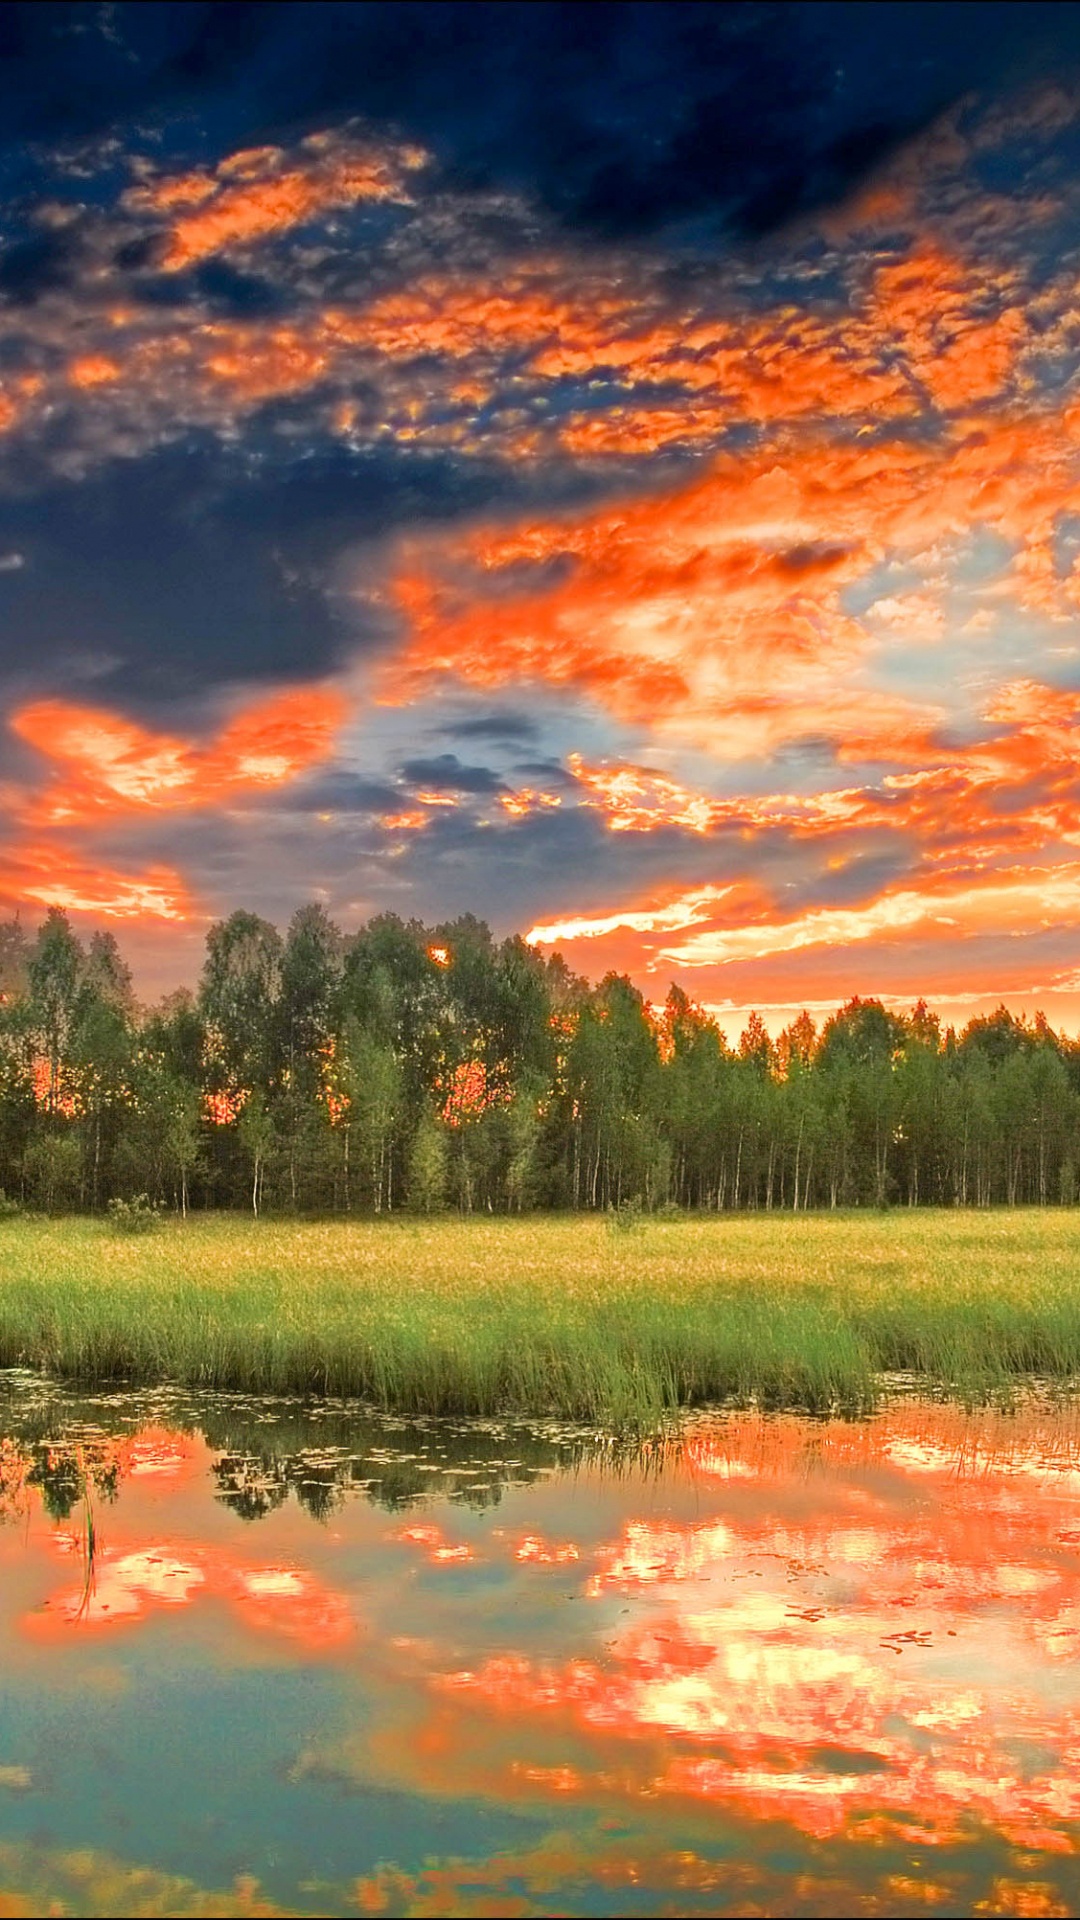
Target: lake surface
{"type": "Point", "coordinates": [261, 1657]}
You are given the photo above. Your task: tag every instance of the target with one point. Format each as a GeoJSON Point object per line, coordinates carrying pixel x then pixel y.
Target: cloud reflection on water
{"type": "Point", "coordinates": [847, 1647]}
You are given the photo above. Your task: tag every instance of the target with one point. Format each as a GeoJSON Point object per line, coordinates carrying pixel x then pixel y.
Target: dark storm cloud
{"type": "Point", "coordinates": [445, 770]}
{"type": "Point", "coordinates": [547, 769]}
{"type": "Point", "coordinates": [35, 266]}
{"type": "Point", "coordinates": [198, 567]}
{"type": "Point", "coordinates": [504, 725]}
{"type": "Point", "coordinates": [555, 862]}
{"type": "Point", "coordinates": [623, 118]}
{"type": "Point", "coordinates": [340, 792]}
{"type": "Point", "coordinates": [175, 579]}
{"type": "Point", "coordinates": [268, 858]}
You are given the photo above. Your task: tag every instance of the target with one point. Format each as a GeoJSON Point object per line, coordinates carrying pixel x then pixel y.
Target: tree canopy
{"type": "Point", "coordinates": [407, 1066]}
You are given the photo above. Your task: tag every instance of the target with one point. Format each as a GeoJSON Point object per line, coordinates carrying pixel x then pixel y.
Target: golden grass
{"type": "Point", "coordinates": [553, 1315]}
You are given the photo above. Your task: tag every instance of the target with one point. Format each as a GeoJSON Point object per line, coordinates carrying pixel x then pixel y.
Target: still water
{"type": "Point", "coordinates": [261, 1657]}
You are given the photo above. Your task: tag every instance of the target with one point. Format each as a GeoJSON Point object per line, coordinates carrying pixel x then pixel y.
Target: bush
{"type": "Point", "coordinates": [134, 1216]}
{"type": "Point", "coordinates": [626, 1217]}
{"type": "Point", "coordinates": [10, 1209]}
{"type": "Point", "coordinates": [53, 1165]}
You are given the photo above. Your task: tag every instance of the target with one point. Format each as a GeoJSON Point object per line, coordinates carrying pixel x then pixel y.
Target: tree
{"type": "Point", "coordinates": [182, 1136]}
{"type": "Point", "coordinates": [613, 1077]}
{"type": "Point", "coordinates": [238, 1000]}
{"type": "Point", "coordinates": [370, 1083]}
{"type": "Point", "coordinates": [54, 974]}
{"type": "Point", "coordinates": [437, 1065]}
{"type": "Point", "coordinates": [257, 1135]}
{"type": "Point", "coordinates": [427, 1165]}
{"type": "Point", "coordinates": [54, 1170]}
{"type": "Point", "coordinates": [101, 1051]}
{"type": "Point", "coordinates": [14, 961]}
{"type": "Point", "coordinates": [864, 1042]}
{"type": "Point", "coordinates": [523, 1128]}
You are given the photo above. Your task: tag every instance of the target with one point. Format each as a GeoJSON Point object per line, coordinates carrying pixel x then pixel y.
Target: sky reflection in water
{"type": "Point", "coordinates": [329, 1664]}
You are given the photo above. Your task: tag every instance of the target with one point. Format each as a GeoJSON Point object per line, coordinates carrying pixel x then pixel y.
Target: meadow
{"type": "Point", "coordinates": [553, 1315]}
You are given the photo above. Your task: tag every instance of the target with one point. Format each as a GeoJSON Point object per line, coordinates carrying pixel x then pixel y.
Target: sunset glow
{"type": "Point", "coordinates": [702, 593]}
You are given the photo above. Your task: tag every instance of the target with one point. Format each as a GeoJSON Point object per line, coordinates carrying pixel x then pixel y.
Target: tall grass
{"type": "Point", "coordinates": [553, 1315]}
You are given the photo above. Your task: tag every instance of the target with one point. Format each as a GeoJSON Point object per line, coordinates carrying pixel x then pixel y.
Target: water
{"type": "Point", "coordinates": [262, 1658]}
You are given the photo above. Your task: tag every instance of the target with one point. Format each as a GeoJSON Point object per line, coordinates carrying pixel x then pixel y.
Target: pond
{"type": "Point", "coordinates": [264, 1657]}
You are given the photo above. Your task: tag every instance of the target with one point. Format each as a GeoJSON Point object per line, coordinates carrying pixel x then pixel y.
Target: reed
{"type": "Point", "coordinates": [554, 1315]}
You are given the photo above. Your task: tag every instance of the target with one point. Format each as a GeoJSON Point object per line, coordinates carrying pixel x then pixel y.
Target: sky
{"type": "Point", "coordinates": [612, 470]}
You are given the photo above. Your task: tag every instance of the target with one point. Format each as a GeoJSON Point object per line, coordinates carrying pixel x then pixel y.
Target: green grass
{"type": "Point", "coordinates": [553, 1315]}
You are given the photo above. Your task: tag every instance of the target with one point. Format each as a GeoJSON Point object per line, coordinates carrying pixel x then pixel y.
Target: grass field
{"type": "Point", "coordinates": [553, 1315]}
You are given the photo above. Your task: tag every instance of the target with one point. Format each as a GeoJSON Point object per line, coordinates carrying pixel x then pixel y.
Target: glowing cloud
{"type": "Point", "coordinates": [115, 765]}
{"type": "Point", "coordinates": [1006, 902]}
{"type": "Point", "coordinates": [687, 911]}
{"type": "Point", "coordinates": [804, 470]}
{"type": "Point", "coordinates": [54, 875]}
{"type": "Point", "coordinates": [261, 193]}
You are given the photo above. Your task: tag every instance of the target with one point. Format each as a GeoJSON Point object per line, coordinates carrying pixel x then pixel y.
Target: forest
{"type": "Point", "coordinates": [407, 1067]}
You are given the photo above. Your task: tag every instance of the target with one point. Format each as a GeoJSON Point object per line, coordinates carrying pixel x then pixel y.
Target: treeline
{"type": "Point", "coordinates": [429, 1067]}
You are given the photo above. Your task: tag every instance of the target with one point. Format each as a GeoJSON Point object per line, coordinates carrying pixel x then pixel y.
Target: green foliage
{"type": "Point", "coordinates": [420, 1067]}
{"type": "Point", "coordinates": [239, 997]}
{"type": "Point", "coordinates": [428, 1165]}
{"type": "Point", "coordinates": [134, 1216]}
{"type": "Point", "coordinates": [52, 1166]}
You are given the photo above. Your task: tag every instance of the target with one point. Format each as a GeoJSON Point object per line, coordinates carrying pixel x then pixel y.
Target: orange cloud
{"type": "Point", "coordinates": [930, 330]}
{"type": "Point", "coordinates": [57, 876]}
{"type": "Point", "coordinates": [1012, 792]}
{"type": "Point", "coordinates": [917, 319]}
{"type": "Point", "coordinates": [526, 800]}
{"type": "Point", "coordinates": [93, 370]}
{"type": "Point", "coordinates": [411, 820]}
{"type": "Point", "coordinates": [917, 617]}
{"type": "Point", "coordinates": [715, 610]}
{"type": "Point", "coordinates": [718, 611]}
{"type": "Point", "coordinates": [739, 924]}
{"type": "Point", "coordinates": [261, 193]}
{"type": "Point", "coordinates": [959, 329]}
{"type": "Point", "coordinates": [939, 327]}
{"type": "Point", "coordinates": [1008, 901]}
{"type": "Point", "coordinates": [571, 321]}
{"type": "Point", "coordinates": [113, 765]}
{"type": "Point", "coordinates": [641, 800]}
{"type": "Point", "coordinates": [275, 740]}
{"type": "Point", "coordinates": [258, 363]}
{"type": "Point", "coordinates": [685, 911]}
{"type": "Point", "coordinates": [906, 932]}
{"type": "Point", "coordinates": [470, 358]}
